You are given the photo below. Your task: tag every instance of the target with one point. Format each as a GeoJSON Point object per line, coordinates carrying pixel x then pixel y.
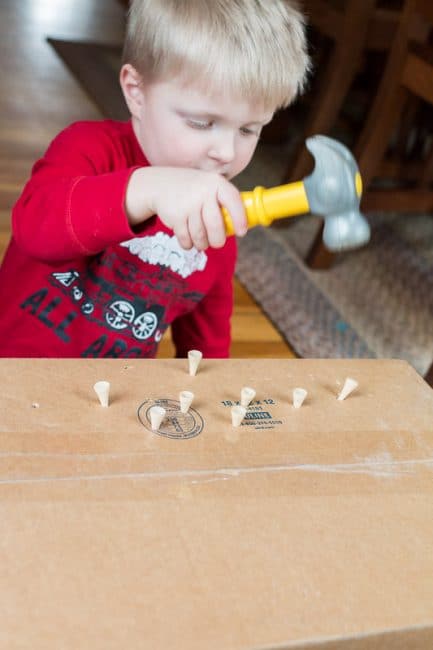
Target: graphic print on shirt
{"type": "Point", "coordinates": [126, 303]}
{"type": "Point", "coordinates": [165, 250]}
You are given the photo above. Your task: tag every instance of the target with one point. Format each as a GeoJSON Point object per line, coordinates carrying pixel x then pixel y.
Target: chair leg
{"type": "Point", "coordinates": [427, 174]}
{"type": "Point", "coordinates": [375, 137]}
{"type": "Point", "coordinates": [318, 257]}
{"type": "Point", "coordinates": [387, 107]}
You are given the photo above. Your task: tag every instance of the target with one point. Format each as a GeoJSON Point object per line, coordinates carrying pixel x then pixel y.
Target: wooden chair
{"type": "Point", "coordinates": [408, 74]}
{"type": "Point", "coordinates": [354, 27]}
{"type": "Point", "coordinates": [395, 97]}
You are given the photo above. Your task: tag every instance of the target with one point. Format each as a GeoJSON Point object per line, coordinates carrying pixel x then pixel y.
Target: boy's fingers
{"type": "Point", "coordinates": [197, 231]}
{"type": "Point", "coordinates": [211, 215]}
{"type": "Point", "coordinates": [183, 236]}
{"type": "Point", "coordinates": [230, 198]}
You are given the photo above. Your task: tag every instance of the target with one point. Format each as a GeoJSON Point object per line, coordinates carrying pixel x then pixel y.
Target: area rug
{"type": "Point", "coordinates": [374, 302]}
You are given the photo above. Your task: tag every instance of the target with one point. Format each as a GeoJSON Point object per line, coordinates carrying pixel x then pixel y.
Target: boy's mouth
{"type": "Point", "coordinates": [226, 174]}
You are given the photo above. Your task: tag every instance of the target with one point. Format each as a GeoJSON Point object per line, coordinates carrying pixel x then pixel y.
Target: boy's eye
{"type": "Point", "coordinates": [199, 124]}
{"type": "Point", "coordinates": [245, 131]}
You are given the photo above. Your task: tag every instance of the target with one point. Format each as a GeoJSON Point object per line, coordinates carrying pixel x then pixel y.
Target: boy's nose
{"type": "Point", "coordinates": [223, 148]}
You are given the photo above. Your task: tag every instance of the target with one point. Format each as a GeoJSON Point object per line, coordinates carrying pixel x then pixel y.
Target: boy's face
{"type": "Point", "coordinates": [183, 126]}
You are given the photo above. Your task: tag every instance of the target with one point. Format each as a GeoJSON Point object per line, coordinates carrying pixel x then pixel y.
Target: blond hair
{"type": "Point", "coordinates": [253, 48]}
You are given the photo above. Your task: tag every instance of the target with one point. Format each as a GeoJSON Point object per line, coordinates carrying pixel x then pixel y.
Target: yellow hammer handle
{"type": "Point", "coordinates": [263, 206]}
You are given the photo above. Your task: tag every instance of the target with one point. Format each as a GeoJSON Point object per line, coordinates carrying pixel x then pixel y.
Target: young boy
{"type": "Point", "coordinates": [118, 234]}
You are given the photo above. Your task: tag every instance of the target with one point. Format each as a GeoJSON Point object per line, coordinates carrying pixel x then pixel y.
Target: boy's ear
{"type": "Point", "coordinates": [130, 82]}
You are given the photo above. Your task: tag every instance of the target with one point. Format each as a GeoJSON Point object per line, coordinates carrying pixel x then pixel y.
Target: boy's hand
{"type": "Point", "coordinates": [188, 201]}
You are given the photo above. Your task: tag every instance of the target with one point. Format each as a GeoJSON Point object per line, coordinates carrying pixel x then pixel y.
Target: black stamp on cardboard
{"type": "Point", "coordinates": [176, 424]}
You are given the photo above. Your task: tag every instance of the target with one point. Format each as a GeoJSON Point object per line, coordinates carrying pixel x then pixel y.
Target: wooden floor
{"type": "Point", "coordinates": [39, 97]}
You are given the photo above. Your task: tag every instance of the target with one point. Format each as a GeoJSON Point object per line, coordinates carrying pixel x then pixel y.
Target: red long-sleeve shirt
{"type": "Point", "coordinates": [76, 281]}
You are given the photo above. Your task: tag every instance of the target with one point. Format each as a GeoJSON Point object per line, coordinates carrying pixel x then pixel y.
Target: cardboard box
{"type": "Point", "coordinates": [308, 527]}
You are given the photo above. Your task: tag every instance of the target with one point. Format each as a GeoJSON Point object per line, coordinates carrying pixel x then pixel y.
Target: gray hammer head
{"type": "Point", "coordinates": [332, 193]}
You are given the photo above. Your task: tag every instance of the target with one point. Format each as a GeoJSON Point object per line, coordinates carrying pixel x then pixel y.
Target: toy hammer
{"type": "Point", "coordinates": [333, 191]}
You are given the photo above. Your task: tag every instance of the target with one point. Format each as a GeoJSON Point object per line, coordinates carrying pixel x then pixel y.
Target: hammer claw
{"type": "Point", "coordinates": [334, 192]}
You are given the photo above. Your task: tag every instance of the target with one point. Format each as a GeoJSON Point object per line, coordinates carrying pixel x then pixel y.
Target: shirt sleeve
{"type": "Point", "coordinates": [208, 327]}
{"type": "Point", "coordinates": [73, 204]}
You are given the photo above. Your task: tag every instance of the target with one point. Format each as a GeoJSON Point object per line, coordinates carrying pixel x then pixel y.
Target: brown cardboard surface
{"type": "Point", "coordinates": [301, 528]}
